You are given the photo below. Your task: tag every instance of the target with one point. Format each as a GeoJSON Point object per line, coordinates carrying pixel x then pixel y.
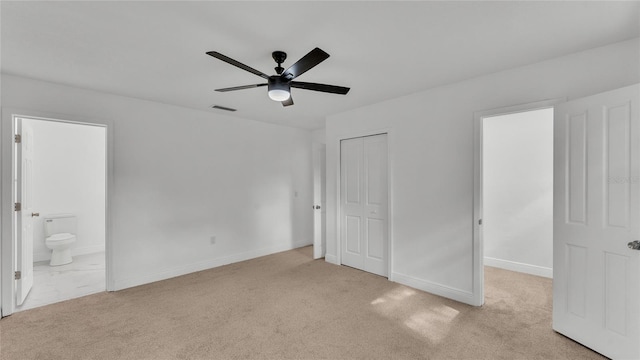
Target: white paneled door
{"type": "Point", "coordinates": [363, 197]}
{"type": "Point", "coordinates": [596, 270]}
{"type": "Point", "coordinates": [24, 216]}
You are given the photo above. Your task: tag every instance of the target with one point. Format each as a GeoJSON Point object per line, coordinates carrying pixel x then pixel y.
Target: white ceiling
{"type": "Point", "coordinates": [382, 49]}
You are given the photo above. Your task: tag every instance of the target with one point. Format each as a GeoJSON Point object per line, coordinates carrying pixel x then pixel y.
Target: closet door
{"type": "Point", "coordinates": [363, 196]}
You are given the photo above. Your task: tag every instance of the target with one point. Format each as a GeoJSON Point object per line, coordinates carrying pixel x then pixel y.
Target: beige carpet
{"type": "Point", "coordinates": [288, 306]}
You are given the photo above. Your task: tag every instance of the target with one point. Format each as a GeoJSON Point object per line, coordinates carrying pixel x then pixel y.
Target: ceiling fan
{"type": "Point", "coordinates": [280, 85]}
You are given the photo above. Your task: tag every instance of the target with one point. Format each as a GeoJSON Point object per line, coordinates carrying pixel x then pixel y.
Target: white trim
{"type": "Point", "coordinates": [358, 134]}
{"type": "Point", "coordinates": [332, 259]}
{"type": "Point", "coordinates": [435, 288]}
{"type": "Point", "coordinates": [7, 243]}
{"type": "Point", "coordinates": [478, 242]}
{"type": "Point", "coordinates": [319, 249]}
{"type": "Point", "coordinates": [519, 267]}
{"type": "Point", "coordinates": [86, 250]}
{"type": "Point", "coordinates": [204, 265]}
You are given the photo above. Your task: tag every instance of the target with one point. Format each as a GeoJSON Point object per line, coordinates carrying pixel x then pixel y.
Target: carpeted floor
{"type": "Point", "coordinates": [288, 306]}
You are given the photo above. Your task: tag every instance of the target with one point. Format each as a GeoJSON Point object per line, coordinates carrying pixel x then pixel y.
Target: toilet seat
{"type": "Point", "coordinates": [60, 237]}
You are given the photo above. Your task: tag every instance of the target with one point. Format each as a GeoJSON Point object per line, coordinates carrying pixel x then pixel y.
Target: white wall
{"type": "Point", "coordinates": [319, 136]}
{"type": "Point", "coordinates": [431, 141]}
{"type": "Point", "coordinates": [517, 205]}
{"type": "Point", "coordinates": [69, 177]}
{"type": "Point", "coordinates": [181, 176]}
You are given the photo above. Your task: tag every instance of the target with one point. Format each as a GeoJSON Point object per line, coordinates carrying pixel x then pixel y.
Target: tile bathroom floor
{"type": "Point", "coordinates": [51, 284]}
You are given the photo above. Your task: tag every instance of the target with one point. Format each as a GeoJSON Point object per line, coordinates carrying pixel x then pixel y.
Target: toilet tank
{"type": "Point", "coordinates": [59, 223]}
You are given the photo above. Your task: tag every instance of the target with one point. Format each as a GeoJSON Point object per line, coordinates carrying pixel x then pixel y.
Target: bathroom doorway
{"type": "Point", "coordinates": [61, 173]}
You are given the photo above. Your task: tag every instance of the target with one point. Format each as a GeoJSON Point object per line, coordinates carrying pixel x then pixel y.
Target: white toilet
{"type": "Point", "coordinates": [60, 233]}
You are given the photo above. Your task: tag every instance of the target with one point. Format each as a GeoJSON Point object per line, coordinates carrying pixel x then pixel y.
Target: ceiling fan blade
{"type": "Point", "coordinates": [288, 102]}
{"type": "Point", "coordinates": [313, 58]}
{"type": "Point", "coordinates": [242, 66]}
{"type": "Point", "coordinates": [320, 87]}
{"type": "Point", "coordinates": [240, 87]}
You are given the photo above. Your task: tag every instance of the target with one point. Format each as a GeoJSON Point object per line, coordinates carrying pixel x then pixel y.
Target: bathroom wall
{"type": "Point", "coordinates": [69, 177]}
{"type": "Point", "coordinates": [517, 207]}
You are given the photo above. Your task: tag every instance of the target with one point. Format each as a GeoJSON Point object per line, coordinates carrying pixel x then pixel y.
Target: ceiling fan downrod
{"type": "Point", "coordinates": [279, 57]}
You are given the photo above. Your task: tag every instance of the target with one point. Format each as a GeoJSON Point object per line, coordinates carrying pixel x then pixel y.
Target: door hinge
{"type": "Point", "coordinates": [480, 222]}
{"type": "Point", "coordinates": [17, 207]}
{"type": "Point", "coordinates": [17, 275]}
{"type": "Point", "coordinates": [18, 138]}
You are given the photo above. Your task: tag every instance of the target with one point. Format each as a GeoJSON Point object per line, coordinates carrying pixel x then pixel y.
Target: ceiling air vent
{"type": "Point", "coordinates": [222, 108]}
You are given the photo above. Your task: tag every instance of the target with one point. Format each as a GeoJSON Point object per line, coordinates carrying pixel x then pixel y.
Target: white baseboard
{"type": "Point", "coordinates": [46, 255]}
{"type": "Point", "coordinates": [41, 256]}
{"type": "Point", "coordinates": [87, 250]}
{"type": "Point", "coordinates": [120, 284]}
{"type": "Point", "coordinates": [434, 288]}
{"type": "Point", "coordinates": [331, 259]}
{"type": "Point", "coordinates": [519, 267]}
{"type": "Point", "coordinates": [303, 243]}
{"type": "Point", "coordinates": [427, 286]}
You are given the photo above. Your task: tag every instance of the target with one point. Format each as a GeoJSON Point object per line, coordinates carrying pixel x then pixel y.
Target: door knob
{"type": "Point", "coordinates": [317, 207]}
{"type": "Point", "coordinates": [35, 214]}
{"type": "Point", "coordinates": [634, 245]}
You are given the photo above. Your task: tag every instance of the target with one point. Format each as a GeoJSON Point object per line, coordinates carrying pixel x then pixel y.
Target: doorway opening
{"type": "Point", "coordinates": [517, 191]}
{"type": "Point", "coordinates": [513, 187]}
{"type": "Point", "coordinates": [60, 180]}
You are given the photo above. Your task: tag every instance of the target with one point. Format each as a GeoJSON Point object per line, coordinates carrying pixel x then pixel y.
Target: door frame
{"type": "Point", "coordinates": [384, 131]}
{"type": "Point", "coordinates": [7, 174]}
{"type": "Point", "coordinates": [319, 187]}
{"type": "Point", "coordinates": [478, 241]}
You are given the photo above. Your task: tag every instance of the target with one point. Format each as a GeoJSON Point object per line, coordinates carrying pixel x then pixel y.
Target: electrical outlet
{"type": "Point", "coordinates": [212, 240]}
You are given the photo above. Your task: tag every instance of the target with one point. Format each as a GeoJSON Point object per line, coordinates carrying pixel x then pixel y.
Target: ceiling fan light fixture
{"type": "Point", "coordinates": [279, 95]}
{"type": "Point", "coordinates": [278, 90]}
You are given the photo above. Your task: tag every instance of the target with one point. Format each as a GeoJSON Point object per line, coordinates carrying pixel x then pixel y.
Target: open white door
{"type": "Point", "coordinates": [24, 216]}
{"type": "Point", "coordinates": [596, 273]}
{"type": "Point", "coordinates": [319, 199]}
